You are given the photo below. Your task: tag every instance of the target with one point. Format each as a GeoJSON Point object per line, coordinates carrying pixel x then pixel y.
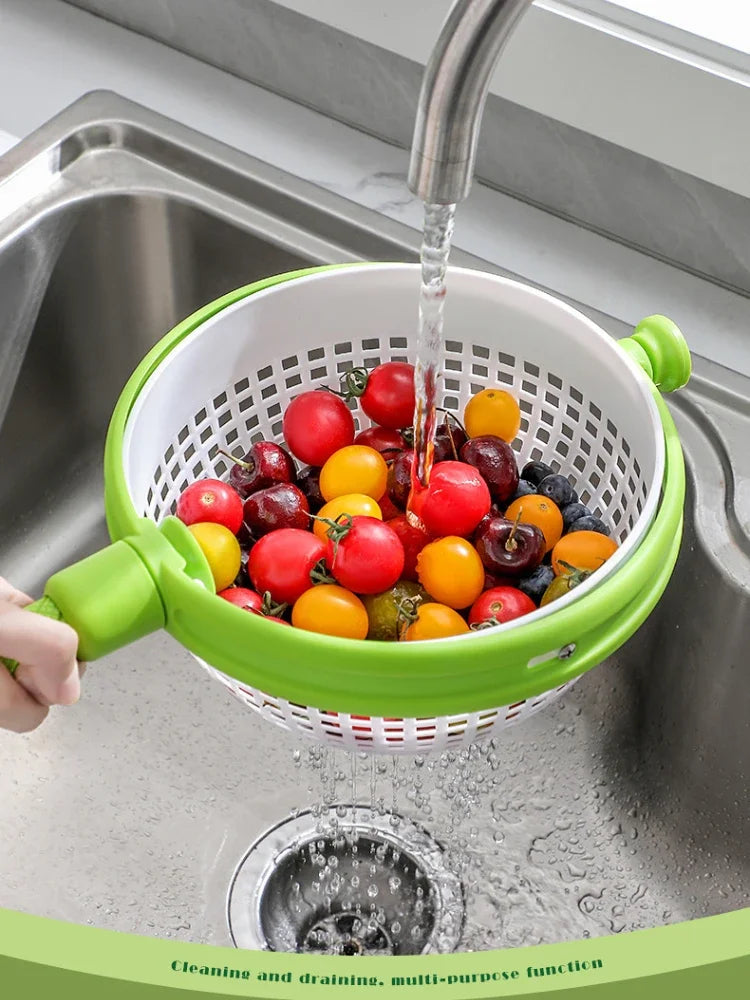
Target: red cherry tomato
{"type": "Point", "coordinates": [211, 501]}
{"type": "Point", "coordinates": [368, 558]}
{"type": "Point", "coordinates": [502, 604]}
{"type": "Point", "coordinates": [316, 424]}
{"type": "Point", "coordinates": [281, 561]}
{"type": "Point", "coordinates": [382, 439]}
{"type": "Point", "coordinates": [388, 398]}
{"type": "Point", "coordinates": [455, 501]}
{"type": "Point", "coordinates": [243, 597]}
{"type": "Point", "coordinates": [413, 539]}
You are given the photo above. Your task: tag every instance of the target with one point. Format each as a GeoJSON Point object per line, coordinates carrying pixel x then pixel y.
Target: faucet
{"type": "Point", "coordinates": [454, 89]}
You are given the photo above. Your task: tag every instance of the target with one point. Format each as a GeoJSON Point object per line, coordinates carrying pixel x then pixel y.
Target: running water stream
{"type": "Point", "coordinates": [436, 244]}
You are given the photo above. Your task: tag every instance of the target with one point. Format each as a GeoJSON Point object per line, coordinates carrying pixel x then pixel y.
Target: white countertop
{"type": "Point", "coordinates": [51, 54]}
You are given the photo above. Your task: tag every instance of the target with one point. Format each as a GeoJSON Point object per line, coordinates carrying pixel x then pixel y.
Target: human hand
{"type": "Point", "coordinates": [48, 672]}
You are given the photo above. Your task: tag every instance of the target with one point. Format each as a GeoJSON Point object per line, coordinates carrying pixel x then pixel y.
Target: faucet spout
{"type": "Point", "coordinates": [454, 89]}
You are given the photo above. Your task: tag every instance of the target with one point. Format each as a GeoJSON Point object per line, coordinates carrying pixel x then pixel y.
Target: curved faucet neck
{"type": "Point", "coordinates": [454, 89]}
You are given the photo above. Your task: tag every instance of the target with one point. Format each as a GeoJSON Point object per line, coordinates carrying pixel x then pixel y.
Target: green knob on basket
{"type": "Point", "coordinates": [660, 349]}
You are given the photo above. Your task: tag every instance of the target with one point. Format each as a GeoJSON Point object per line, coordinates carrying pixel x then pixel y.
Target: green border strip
{"type": "Point", "coordinates": [686, 953]}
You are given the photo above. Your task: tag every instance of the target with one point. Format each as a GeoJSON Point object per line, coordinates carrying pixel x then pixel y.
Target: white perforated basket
{"type": "Point", "coordinates": [586, 409]}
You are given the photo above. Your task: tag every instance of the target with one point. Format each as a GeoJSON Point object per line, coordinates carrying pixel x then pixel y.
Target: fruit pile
{"type": "Point", "coordinates": [330, 547]}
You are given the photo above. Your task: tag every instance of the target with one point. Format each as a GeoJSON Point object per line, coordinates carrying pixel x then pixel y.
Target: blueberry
{"type": "Point", "coordinates": [572, 512]}
{"type": "Point", "coordinates": [524, 489]}
{"type": "Point", "coordinates": [535, 584]}
{"type": "Point", "coordinates": [558, 490]}
{"type": "Point", "coordinates": [589, 523]}
{"type": "Point", "coordinates": [535, 472]}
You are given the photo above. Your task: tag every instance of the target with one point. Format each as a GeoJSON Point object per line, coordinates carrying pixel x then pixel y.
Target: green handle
{"type": "Point", "coordinates": [44, 606]}
{"type": "Point", "coordinates": [113, 597]}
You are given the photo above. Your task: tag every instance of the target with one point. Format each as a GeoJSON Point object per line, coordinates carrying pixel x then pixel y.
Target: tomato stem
{"type": "Point", "coordinates": [269, 608]}
{"type": "Point", "coordinates": [576, 575]}
{"type": "Point", "coordinates": [319, 573]}
{"type": "Point", "coordinates": [487, 623]}
{"type": "Point", "coordinates": [407, 613]}
{"type": "Point", "coordinates": [337, 530]}
{"type": "Point", "coordinates": [354, 382]}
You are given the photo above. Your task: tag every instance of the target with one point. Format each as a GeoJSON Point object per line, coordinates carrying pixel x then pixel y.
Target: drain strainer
{"type": "Point", "coordinates": [346, 883]}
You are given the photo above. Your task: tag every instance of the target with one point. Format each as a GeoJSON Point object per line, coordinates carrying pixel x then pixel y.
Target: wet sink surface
{"type": "Point", "coordinates": [625, 805]}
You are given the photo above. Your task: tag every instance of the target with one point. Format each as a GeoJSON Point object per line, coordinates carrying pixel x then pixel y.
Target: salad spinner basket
{"type": "Point", "coordinates": [591, 408]}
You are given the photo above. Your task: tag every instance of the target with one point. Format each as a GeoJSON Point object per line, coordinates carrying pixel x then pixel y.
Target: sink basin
{"type": "Point", "coordinates": [623, 806]}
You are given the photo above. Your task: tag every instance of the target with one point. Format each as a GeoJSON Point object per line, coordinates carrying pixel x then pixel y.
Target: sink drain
{"type": "Point", "coordinates": [365, 885]}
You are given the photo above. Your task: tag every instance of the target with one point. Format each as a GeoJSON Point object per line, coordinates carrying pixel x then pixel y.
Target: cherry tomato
{"type": "Point", "coordinates": [365, 556]}
{"type": "Point", "coordinates": [243, 598]}
{"type": "Point", "coordinates": [331, 610]}
{"type": "Point", "coordinates": [281, 561]}
{"type": "Point", "coordinates": [221, 549]}
{"type": "Point", "coordinates": [211, 500]}
{"type": "Point", "coordinates": [316, 424]}
{"type": "Point", "coordinates": [388, 398]}
{"type": "Point", "coordinates": [493, 411]}
{"type": "Point", "coordinates": [501, 604]}
{"type": "Point", "coordinates": [355, 469]}
{"type": "Point", "coordinates": [382, 439]}
{"type": "Point", "coordinates": [561, 585]}
{"type": "Point", "coordinates": [353, 504]}
{"type": "Point", "coordinates": [435, 621]}
{"type": "Point", "coordinates": [451, 571]}
{"type": "Point", "coordinates": [582, 550]}
{"type": "Point", "coordinates": [413, 538]}
{"type": "Point", "coordinates": [455, 501]}
{"type": "Point", "coordinates": [542, 512]}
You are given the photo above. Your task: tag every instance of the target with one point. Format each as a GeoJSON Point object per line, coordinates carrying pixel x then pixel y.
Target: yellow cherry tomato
{"type": "Point", "coordinates": [493, 411]}
{"type": "Point", "coordinates": [222, 552]}
{"type": "Point", "coordinates": [354, 469]}
{"type": "Point", "coordinates": [435, 621]}
{"type": "Point", "coordinates": [538, 510]}
{"type": "Point", "coordinates": [582, 550]}
{"type": "Point", "coordinates": [451, 571]}
{"type": "Point", "coordinates": [331, 610]}
{"type": "Point", "coordinates": [354, 504]}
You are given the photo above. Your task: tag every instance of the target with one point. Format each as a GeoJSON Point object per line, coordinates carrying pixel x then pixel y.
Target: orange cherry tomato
{"type": "Point", "coordinates": [435, 621]}
{"type": "Point", "coordinates": [586, 550]}
{"type": "Point", "coordinates": [493, 411]}
{"type": "Point", "coordinates": [541, 511]}
{"type": "Point", "coordinates": [221, 549]}
{"type": "Point", "coordinates": [451, 571]}
{"type": "Point", "coordinates": [331, 610]}
{"type": "Point", "coordinates": [353, 504]}
{"type": "Point", "coordinates": [354, 469]}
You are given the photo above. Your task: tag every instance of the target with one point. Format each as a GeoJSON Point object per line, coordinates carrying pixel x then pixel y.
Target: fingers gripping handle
{"type": "Point", "coordinates": [113, 597]}
{"type": "Point", "coordinates": [44, 606]}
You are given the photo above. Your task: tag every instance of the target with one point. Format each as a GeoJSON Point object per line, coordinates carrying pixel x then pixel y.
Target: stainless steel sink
{"type": "Point", "coordinates": [624, 806]}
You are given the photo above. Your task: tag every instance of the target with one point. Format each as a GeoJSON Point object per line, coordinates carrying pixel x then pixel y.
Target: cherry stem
{"type": "Point", "coordinates": [454, 418]}
{"type": "Point", "coordinates": [511, 544]}
{"type": "Point", "coordinates": [247, 466]}
{"type": "Point", "coordinates": [354, 382]}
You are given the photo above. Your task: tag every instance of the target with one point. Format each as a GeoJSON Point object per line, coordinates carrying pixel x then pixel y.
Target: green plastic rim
{"type": "Point", "coordinates": [434, 678]}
